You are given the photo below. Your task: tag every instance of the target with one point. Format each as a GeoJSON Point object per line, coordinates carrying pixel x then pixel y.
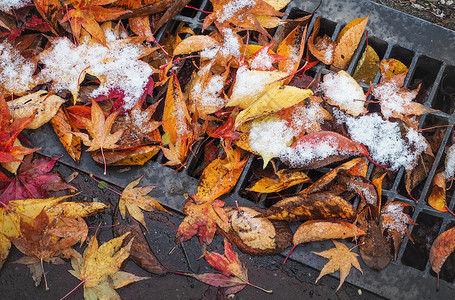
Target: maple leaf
{"type": "Point", "coordinates": [32, 180]}
{"type": "Point", "coordinates": [203, 217]}
{"type": "Point", "coordinates": [136, 199]}
{"type": "Point", "coordinates": [45, 240]}
{"type": "Point", "coordinates": [99, 129]}
{"type": "Point", "coordinates": [87, 14]}
{"type": "Point", "coordinates": [341, 258]}
{"type": "Point", "coordinates": [9, 131]}
{"type": "Point", "coordinates": [99, 268]}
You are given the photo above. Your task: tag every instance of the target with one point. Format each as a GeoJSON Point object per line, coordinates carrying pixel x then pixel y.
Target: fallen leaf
{"type": "Point", "coordinates": [221, 175]}
{"type": "Point", "coordinates": [322, 205]}
{"type": "Point", "coordinates": [347, 41]}
{"type": "Point", "coordinates": [99, 129]}
{"type": "Point", "coordinates": [319, 230]}
{"type": "Point", "coordinates": [437, 198]}
{"type": "Point", "coordinates": [203, 217]}
{"type": "Point", "coordinates": [321, 47]}
{"type": "Point", "coordinates": [342, 148]}
{"type": "Point", "coordinates": [367, 67]}
{"type": "Point", "coordinates": [40, 104]}
{"type": "Point", "coordinates": [292, 46]}
{"type": "Point", "coordinates": [135, 199]}
{"type": "Point", "coordinates": [391, 67]}
{"type": "Point", "coordinates": [442, 247]}
{"type": "Point", "coordinates": [87, 14]}
{"type": "Point", "coordinates": [255, 235]}
{"type": "Point", "coordinates": [341, 258]}
{"type": "Point", "coordinates": [243, 95]}
{"type": "Point", "coordinates": [395, 221]}
{"type": "Point", "coordinates": [282, 180]}
{"type": "Point", "coordinates": [64, 130]}
{"type": "Point", "coordinates": [32, 180]}
{"type": "Point", "coordinates": [9, 131]}
{"type": "Point", "coordinates": [141, 253]}
{"type": "Point", "coordinates": [275, 99]}
{"type": "Point", "coordinates": [355, 167]}
{"type": "Point", "coordinates": [126, 157]}
{"type": "Point", "coordinates": [99, 268]}
{"type": "Point", "coordinates": [195, 43]}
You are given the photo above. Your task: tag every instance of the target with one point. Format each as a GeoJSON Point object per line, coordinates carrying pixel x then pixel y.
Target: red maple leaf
{"type": "Point", "coordinates": [32, 180]}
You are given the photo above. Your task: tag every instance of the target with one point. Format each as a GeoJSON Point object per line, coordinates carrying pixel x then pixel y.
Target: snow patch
{"type": "Point", "coordinates": [7, 5]}
{"type": "Point", "coordinates": [449, 170]}
{"type": "Point", "coordinates": [231, 8]}
{"type": "Point", "coordinates": [117, 66]}
{"type": "Point", "coordinates": [394, 218]}
{"type": "Point", "coordinates": [385, 142]}
{"type": "Point", "coordinates": [262, 60]}
{"type": "Point", "coordinates": [392, 99]}
{"type": "Point", "coordinates": [16, 73]}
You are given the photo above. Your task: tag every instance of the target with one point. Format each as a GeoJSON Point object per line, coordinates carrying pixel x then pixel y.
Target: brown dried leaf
{"type": "Point", "coordinates": [324, 205]}
{"type": "Point", "coordinates": [62, 127]}
{"type": "Point", "coordinates": [320, 230]}
{"type": "Point", "coordinates": [442, 247]}
{"type": "Point", "coordinates": [321, 47]}
{"type": "Point", "coordinates": [283, 179]}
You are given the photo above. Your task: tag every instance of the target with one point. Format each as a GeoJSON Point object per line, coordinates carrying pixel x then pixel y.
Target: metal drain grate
{"type": "Point", "coordinates": [426, 49]}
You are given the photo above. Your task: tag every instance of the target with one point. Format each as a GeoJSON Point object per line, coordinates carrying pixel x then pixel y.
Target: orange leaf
{"type": "Point", "coordinates": [202, 217]}
{"type": "Point", "coordinates": [437, 198]}
{"type": "Point", "coordinates": [442, 246]}
{"type": "Point", "coordinates": [321, 48]}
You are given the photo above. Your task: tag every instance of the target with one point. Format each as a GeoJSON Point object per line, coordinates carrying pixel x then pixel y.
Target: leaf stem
{"type": "Point", "coordinates": [44, 275]}
{"type": "Point", "coordinates": [91, 176]}
{"type": "Point", "coordinates": [70, 292]}
{"type": "Point", "coordinates": [259, 288]}
{"type": "Point", "coordinates": [289, 253]}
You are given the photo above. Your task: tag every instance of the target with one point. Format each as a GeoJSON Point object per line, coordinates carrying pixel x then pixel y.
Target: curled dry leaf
{"type": "Point", "coordinates": [321, 47]}
{"type": "Point", "coordinates": [323, 205]}
{"type": "Point", "coordinates": [40, 104]}
{"type": "Point", "coordinates": [292, 47]}
{"type": "Point", "coordinates": [356, 167]}
{"type": "Point", "coordinates": [437, 198]}
{"type": "Point", "coordinates": [255, 235]}
{"type": "Point", "coordinates": [341, 258]}
{"type": "Point", "coordinates": [64, 130]}
{"type": "Point", "coordinates": [442, 247]}
{"type": "Point", "coordinates": [282, 180]}
{"type": "Point", "coordinates": [361, 186]}
{"type": "Point", "coordinates": [140, 253]}
{"type": "Point", "coordinates": [135, 199]}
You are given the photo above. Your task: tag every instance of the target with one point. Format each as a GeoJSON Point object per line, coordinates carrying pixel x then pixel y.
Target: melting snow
{"type": "Point", "coordinates": [449, 171]}
{"type": "Point", "coordinates": [7, 5]}
{"type": "Point", "coordinates": [117, 66]}
{"type": "Point", "coordinates": [391, 99]}
{"type": "Point", "coordinates": [270, 138]}
{"type": "Point", "coordinates": [231, 8]}
{"type": "Point", "coordinates": [16, 73]}
{"type": "Point", "coordinates": [384, 141]}
{"type": "Point", "coordinates": [344, 91]}
{"type": "Point", "coordinates": [262, 61]}
{"type": "Point", "coordinates": [304, 118]}
{"type": "Point", "coordinates": [394, 211]}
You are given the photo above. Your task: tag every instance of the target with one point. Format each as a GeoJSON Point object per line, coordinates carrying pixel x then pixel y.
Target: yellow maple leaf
{"type": "Point", "coordinates": [136, 199]}
{"type": "Point", "coordinates": [99, 268]}
{"type": "Point", "coordinates": [341, 258]}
